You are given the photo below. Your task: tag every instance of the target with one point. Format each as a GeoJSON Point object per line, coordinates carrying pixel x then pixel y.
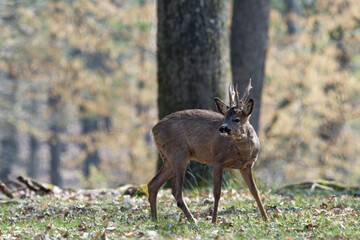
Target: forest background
{"type": "Point", "coordinates": [78, 92]}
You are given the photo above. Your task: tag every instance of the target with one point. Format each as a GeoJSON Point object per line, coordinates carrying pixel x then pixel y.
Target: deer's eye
{"type": "Point", "coordinates": [237, 120]}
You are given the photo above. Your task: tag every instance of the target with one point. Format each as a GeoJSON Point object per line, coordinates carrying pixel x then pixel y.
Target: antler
{"type": "Point", "coordinates": [234, 95]}
{"type": "Point", "coordinates": [231, 95]}
{"type": "Point", "coordinates": [237, 95]}
{"type": "Point", "coordinates": [246, 93]}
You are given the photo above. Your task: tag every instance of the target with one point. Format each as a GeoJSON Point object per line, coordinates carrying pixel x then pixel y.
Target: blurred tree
{"type": "Point", "coordinates": [56, 127]}
{"type": "Point", "coordinates": [32, 169]}
{"type": "Point", "coordinates": [33, 166]}
{"type": "Point", "coordinates": [191, 44]}
{"type": "Point", "coordinates": [248, 45]}
{"type": "Point", "coordinates": [8, 131]}
{"type": "Point", "coordinates": [292, 9]}
{"type": "Point", "coordinates": [89, 126]}
{"type": "Point", "coordinates": [9, 74]}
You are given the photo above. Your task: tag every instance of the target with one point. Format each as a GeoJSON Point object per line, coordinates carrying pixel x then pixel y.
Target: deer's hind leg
{"type": "Point", "coordinates": [179, 163]}
{"type": "Point", "coordinates": [155, 184]}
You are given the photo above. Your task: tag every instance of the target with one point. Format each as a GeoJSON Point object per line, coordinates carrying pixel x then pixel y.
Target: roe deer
{"type": "Point", "coordinates": [225, 140]}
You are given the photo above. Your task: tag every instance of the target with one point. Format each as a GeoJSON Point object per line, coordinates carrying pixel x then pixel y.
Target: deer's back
{"type": "Point", "coordinates": [194, 131]}
{"type": "Point", "coordinates": [187, 123]}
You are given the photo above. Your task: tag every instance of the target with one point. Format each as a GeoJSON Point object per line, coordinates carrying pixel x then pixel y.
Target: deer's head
{"type": "Point", "coordinates": [236, 116]}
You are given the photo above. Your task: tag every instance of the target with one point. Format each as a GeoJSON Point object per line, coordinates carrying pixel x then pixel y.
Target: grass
{"type": "Point", "coordinates": [108, 214]}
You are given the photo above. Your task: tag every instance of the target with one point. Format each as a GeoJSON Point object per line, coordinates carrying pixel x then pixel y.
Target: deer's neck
{"type": "Point", "coordinates": [250, 146]}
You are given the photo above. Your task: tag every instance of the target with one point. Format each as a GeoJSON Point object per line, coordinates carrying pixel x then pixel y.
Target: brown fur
{"type": "Point", "coordinates": [194, 135]}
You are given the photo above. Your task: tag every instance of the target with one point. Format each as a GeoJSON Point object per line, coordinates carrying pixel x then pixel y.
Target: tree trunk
{"type": "Point", "coordinates": [191, 45]}
{"type": "Point", "coordinates": [33, 159]}
{"type": "Point", "coordinates": [9, 149]}
{"type": "Point", "coordinates": [89, 125]}
{"type": "Point", "coordinates": [292, 10]}
{"type": "Point", "coordinates": [8, 132]}
{"type": "Point", "coordinates": [54, 102]}
{"type": "Point", "coordinates": [248, 44]}
{"type": "Point", "coordinates": [33, 164]}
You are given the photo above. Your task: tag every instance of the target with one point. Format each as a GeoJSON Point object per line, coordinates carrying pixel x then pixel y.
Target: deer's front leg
{"type": "Point", "coordinates": [217, 178]}
{"type": "Point", "coordinates": [247, 175]}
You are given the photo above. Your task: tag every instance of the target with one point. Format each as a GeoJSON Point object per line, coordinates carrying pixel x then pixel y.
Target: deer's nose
{"type": "Point", "coordinates": [224, 129]}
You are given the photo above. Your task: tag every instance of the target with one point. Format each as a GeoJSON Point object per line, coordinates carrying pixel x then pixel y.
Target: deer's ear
{"type": "Point", "coordinates": [248, 107]}
{"type": "Point", "coordinates": [221, 106]}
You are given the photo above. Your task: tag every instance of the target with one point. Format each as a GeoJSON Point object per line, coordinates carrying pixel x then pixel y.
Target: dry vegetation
{"type": "Point", "coordinates": [311, 108]}
{"type": "Point", "coordinates": [98, 56]}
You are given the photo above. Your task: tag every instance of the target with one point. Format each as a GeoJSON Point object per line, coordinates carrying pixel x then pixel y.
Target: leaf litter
{"type": "Point", "coordinates": [115, 213]}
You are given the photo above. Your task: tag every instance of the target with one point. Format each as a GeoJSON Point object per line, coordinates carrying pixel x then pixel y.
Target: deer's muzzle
{"type": "Point", "coordinates": [224, 130]}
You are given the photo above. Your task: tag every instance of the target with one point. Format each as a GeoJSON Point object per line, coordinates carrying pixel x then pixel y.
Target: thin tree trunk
{"type": "Point", "coordinates": [33, 164]}
{"type": "Point", "coordinates": [33, 159]}
{"type": "Point", "coordinates": [8, 132]}
{"type": "Point", "coordinates": [191, 46]}
{"type": "Point", "coordinates": [292, 10]}
{"type": "Point", "coordinates": [9, 149]}
{"type": "Point", "coordinates": [56, 127]}
{"type": "Point", "coordinates": [248, 45]}
{"type": "Point", "coordinates": [89, 125]}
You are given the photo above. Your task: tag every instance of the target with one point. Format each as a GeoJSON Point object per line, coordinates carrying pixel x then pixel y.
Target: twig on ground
{"type": "Point", "coordinates": [27, 183]}
{"type": "Point", "coordinates": [34, 186]}
{"type": "Point", "coordinates": [6, 190]}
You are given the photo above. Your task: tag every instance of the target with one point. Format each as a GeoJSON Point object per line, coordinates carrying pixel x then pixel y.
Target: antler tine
{"type": "Point", "coordinates": [246, 93]}
{"type": "Point", "coordinates": [237, 96]}
{"type": "Point", "coordinates": [231, 95]}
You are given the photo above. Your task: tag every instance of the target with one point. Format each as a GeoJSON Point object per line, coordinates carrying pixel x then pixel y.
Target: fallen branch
{"type": "Point", "coordinates": [6, 190]}
{"type": "Point", "coordinates": [320, 184]}
{"type": "Point", "coordinates": [34, 186]}
{"type": "Point", "coordinates": [42, 188]}
{"type": "Point", "coordinates": [322, 187]}
{"type": "Point", "coordinates": [15, 184]}
{"type": "Point", "coordinates": [27, 183]}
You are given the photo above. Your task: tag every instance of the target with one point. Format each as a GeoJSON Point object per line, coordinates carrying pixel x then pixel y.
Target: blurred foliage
{"type": "Point", "coordinates": [100, 56]}
{"type": "Point", "coordinates": [310, 116]}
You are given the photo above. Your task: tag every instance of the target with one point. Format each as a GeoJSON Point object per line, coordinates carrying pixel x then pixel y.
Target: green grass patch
{"type": "Point", "coordinates": [108, 214]}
